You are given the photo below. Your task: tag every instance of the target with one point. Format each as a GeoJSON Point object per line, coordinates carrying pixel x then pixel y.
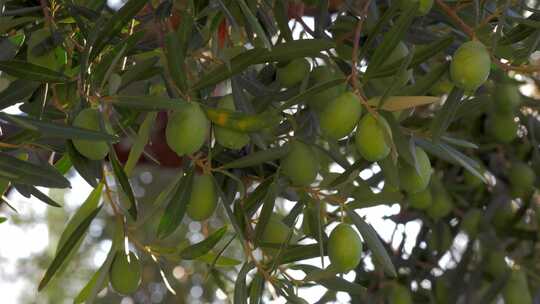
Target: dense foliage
{"type": "Point", "coordinates": [270, 119]}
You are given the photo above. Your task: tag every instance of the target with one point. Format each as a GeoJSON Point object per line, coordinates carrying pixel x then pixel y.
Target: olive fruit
{"type": "Point", "coordinates": [203, 198]}
{"type": "Point", "coordinates": [344, 248]}
{"type": "Point", "coordinates": [300, 164]}
{"type": "Point", "coordinates": [516, 290]}
{"type": "Point", "coordinates": [276, 231]}
{"type": "Point", "coordinates": [470, 65]}
{"type": "Point", "coordinates": [124, 274]}
{"type": "Point", "coordinates": [471, 179]}
{"type": "Point", "coordinates": [322, 74]}
{"type": "Point", "coordinates": [187, 129]}
{"type": "Point", "coordinates": [495, 264]}
{"type": "Point", "coordinates": [502, 127]}
{"type": "Point", "coordinates": [293, 72]}
{"type": "Point", "coordinates": [226, 137]}
{"type": "Point", "coordinates": [440, 238]}
{"type": "Point", "coordinates": [400, 294]}
{"type": "Point", "coordinates": [441, 204]}
{"type": "Point", "coordinates": [412, 181]}
{"type": "Point", "coordinates": [470, 223]}
{"type": "Point", "coordinates": [506, 98]}
{"type": "Point", "coordinates": [340, 116]}
{"type": "Point", "coordinates": [95, 150]}
{"type": "Point", "coordinates": [521, 177]}
{"type": "Point", "coordinates": [420, 200]}
{"type": "Point", "coordinates": [381, 84]}
{"type": "Point", "coordinates": [371, 138]}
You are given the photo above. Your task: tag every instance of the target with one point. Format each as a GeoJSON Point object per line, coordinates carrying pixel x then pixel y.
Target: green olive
{"type": "Point", "coordinates": [226, 137]}
{"type": "Point", "coordinates": [322, 74]}
{"type": "Point", "coordinates": [441, 204]}
{"type": "Point", "coordinates": [187, 129]}
{"type": "Point", "coordinates": [521, 177]}
{"type": "Point", "coordinates": [420, 200]}
{"type": "Point", "coordinates": [440, 238]}
{"type": "Point", "coordinates": [470, 223]}
{"type": "Point", "coordinates": [502, 127]}
{"type": "Point", "coordinates": [471, 179]}
{"type": "Point", "coordinates": [470, 66]}
{"type": "Point", "coordinates": [340, 116]}
{"type": "Point", "coordinates": [371, 138]}
{"type": "Point", "coordinates": [400, 294]}
{"type": "Point", "coordinates": [506, 98]}
{"type": "Point", "coordinates": [124, 274]}
{"type": "Point", "coordinates": [412, 181]}
{"type": "Point", "coordinates": [276, 231]}
{"type": "Point", "coordinates": [344, 248]}
{"type": "Point", "coordinates": [381, 84]}
{"type": "Point", "coordinates": [95, 150]}
{"type": "Point", "coordinates": [203, 198]}
{"type": "Point", "coordinates": [300, 165]}
{"type": "Point", "coordinates": [516, 290]}
{"type": "Point", "coordinates": [293, 73]}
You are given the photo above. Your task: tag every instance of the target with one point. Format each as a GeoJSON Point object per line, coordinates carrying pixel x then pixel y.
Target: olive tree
{"type": "Point", "coordinates": [271, 110]}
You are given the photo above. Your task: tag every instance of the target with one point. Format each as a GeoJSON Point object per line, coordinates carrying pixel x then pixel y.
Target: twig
{"type": "Point", "coordinates": [454, 16]}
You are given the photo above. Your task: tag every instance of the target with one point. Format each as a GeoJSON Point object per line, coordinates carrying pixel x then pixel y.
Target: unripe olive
{"type": "Point", "coordinates": [470, 65]}
{"type": "Point", "coordinates": [370, 138]}
{"type": "Point", "coordinates": [521, 177]}
{"type": "Point", "coordinates": [187, 129]}
{"type": "Point", "coordinates": [203, 198]}
{"type": "Point", "coordinates": [502, 127]}
{"type": "Point", "coordinates": [322, 74]}
{"type": "Point", "coordinates": [506, 98]}
{"type": "Point", "coordinates": [95, 150]}
{"type": "Point", "coordinates": [400, 294]}
{"type": "Point", "coordinates": [300, 165]}
{"type": "Point", "coordinates": [381, 84]}
{"type": "Point", "coordinates": [226, 137]}
{"type": "Point", "coordinates": [495, 264]}
{"type": "Point", "coordinates": [344, 248]}
{"type": "Point", "coordinates": [516, 290]}
{"type": "Point", "coordinates": [124, 275]}
{"type": "Point", "coordinates": [412, 181]}
{"type": "Point", "coordinates": [340, 116]}
{"type": "Point", "coordinates": [424, 6]}
{"type": "Point", "coordinates": [441, 204]}
{"type": "Point", "coordinates": [470, 223]}
{"type": "Point", "coordinates": [276, 231]}
{"type": "Point", "coordinates": [471, 179]}
{"type": "Point", "coordinates": [420, 200]}
{"type": "Point", "coordinates": [440, 238]}
{"type": "Point", "coordinates": [293, 73]}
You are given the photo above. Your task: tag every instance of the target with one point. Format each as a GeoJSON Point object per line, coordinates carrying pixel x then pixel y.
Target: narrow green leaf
{"type": "Point", "coordinates": [38, 194]}
{"type": "Point", "coordinates": [143, 70]}
{"type": "Point", "coordinates": [312, 91]}
{"type": "Point", "coordinates": [2, 219]}
{"type": "Point", "coordinates": [24, 172]}
{"type": "Point", "coordinates": [221, 261]}
{"type": "Point", "coordinates": [298, 48]}
{"type": "Point", "coordinates": [67, 248]}
{"type": "Point", "coordinates": [267, 210]}
{"type": "Point", "coordinates": [242, 122]}
{"type": "Point", "coordinates": [256, 289]}
{"type": "Point", "coordinates": [197, 250]}
{"type": "Point", "coordinates": [63, 164]}
{"type": "Point", "coordinates": [53, 129]}
{"type": "Point", "coordinates": [423, 53]}
{"type": "Point", "coordinates": [520, 32]}
{"type": "Point", "coordinates": [240, 288]}
{"type": "Point", "coordinates": [115, 24]}
{"type": "Point", "coordinates": [373, 242]}
{"type": "Point", "coordinates": [7, 23]}
{"type": "Point", "coordinates": [123, 180]}
{"type": "Point", "coordinates": [176, 208]}
{"type": "Point", "coordinates": [146, 103]}
{"type": "Point", "coordinates": [175, 59]}
{"type": "Point", "coordinates": [141, 140]}
{"type": "Point", "coordinates": [423, 84]}
{"type": "Point", "coordinates": [298, 253]}
{"type": "Point", "coordinates": [392, 38]}
{"type": "Point", "coordinates": [330, 280]}
{"type": "Point", "coordinates": [28, 71]}
{"type": "Point", "coordinates": [19, 90]}
{"type": "Point", "coordinates": [445, 115]}
{"type": "Point", "coordinates": [90, 170]}
{"type": "Point", "coordinates": [254, 23]}
{"type": "Point", "coordinates": [258, 158]}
